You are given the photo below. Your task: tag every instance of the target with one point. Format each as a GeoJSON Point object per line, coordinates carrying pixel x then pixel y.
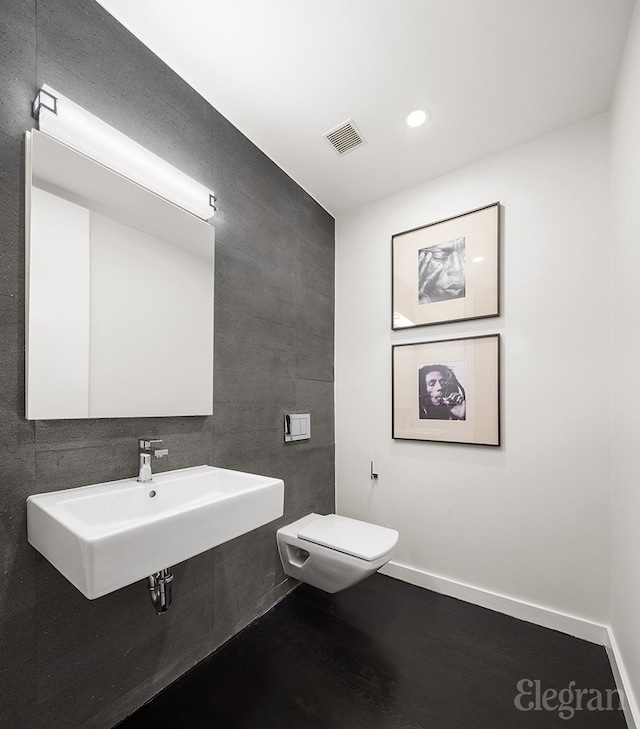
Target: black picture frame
{"type": "Point", "coordinates": [447, 271]}
{"type": "Point", "coordinates": [447, 390]}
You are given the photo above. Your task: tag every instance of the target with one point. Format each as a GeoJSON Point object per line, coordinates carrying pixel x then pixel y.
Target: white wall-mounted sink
{"type": "Point", "coordinates": [108, 535]}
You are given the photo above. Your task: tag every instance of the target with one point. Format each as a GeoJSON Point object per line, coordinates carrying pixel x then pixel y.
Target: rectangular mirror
{"type": "Point", "coordinates": [119, 294]}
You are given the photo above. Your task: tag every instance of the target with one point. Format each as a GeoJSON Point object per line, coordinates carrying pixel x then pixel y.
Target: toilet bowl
{"type": "Point", "coordinates": [334, 552]}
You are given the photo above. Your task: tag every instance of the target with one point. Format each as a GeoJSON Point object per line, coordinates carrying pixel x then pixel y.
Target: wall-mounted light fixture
{"type": "Point", "coordinates": [71, 124]}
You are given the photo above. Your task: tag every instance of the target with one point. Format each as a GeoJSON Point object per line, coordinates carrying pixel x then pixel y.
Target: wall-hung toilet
{"type": "Point", "coordinates": [334, 552]}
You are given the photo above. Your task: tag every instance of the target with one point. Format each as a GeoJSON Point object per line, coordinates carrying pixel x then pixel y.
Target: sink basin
{"type": "Point", "coordinates": [108, 535]}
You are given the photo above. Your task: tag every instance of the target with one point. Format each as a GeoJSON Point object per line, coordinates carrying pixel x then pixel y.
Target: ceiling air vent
{"type": "Point", "coordinates": [345, 137]}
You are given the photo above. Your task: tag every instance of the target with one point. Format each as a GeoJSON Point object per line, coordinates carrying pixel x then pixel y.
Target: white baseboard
{"type": "Point", "coordinates": [570, 624]}
{"type": "Point", "coordinates": [631, 709]}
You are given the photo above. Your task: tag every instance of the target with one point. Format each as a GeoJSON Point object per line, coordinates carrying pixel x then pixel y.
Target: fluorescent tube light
{"type": "Point", "coordinates": [71, 124]}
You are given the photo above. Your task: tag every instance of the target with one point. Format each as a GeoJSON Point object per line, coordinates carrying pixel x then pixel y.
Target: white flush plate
{"type": "Point", "coordinates": [297, 426]}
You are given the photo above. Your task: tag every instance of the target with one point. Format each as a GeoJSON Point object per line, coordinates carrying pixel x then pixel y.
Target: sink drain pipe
{"type": "Point", "coordinates": [160, 590]}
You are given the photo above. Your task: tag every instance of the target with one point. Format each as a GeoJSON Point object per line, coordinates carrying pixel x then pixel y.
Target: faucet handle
{"type": "Point", "coordinates": [148, 443]}
{"type": "Point", "coordinates": [151, 446]}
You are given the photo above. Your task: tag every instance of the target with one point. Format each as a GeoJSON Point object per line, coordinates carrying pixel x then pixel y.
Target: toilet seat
{"type": "Point", "coordinates": [350, 536]}
{"type": "Point", "coordinates": [334, 552]}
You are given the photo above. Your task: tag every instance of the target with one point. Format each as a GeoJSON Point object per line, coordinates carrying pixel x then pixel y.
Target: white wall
{"type": "Point", "coordinates": [625, 196]}
{"type": "Point", "coordinates": [529, 520]}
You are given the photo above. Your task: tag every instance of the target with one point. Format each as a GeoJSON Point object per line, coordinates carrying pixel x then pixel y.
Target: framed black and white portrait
{"type": "Point", "coordinates": [447, 271]}
{"type": "Point", "coordinates": [447, 391]}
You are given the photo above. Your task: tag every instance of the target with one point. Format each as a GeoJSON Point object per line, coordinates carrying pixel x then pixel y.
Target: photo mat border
{"type": "Point", "coordinates": [482, 428]}
{"type": "Point", "coordinates": [451, 310]}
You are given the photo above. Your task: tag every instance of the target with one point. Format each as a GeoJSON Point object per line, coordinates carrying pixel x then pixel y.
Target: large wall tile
{"type": "Point", "coordinates": [12, 264]}
{"type": "Point", "coordinates": [246, 571]}
{"type": "Point", "coordinates": [314, 357]}
{"type": "Point", "coordinates": [236, 331]}
{"type": "Point", "coordinates": [257, 176]}
{"type": "Point", "coordinates": [315, 480]}
{"type": "Point", "coordinates": [18, 560]}
{"type": "Point", "coordinates": [314, 397]}
{"type": "Point", "coordinates": [319, 278]}
{"type": "Point", "coordinates": [17, 462]}
{"type": "Point", "coordinates": [262, 451]}
{"type": "Point", "coordinates": [313, 217]}
{"type": "Point", "coordinates": [72, 467]}
{"type": "Point", "coordinates": [231, 418]}
{"type": "Point", "coordinates": [17, 60]}
{"type": "Point", "coordinates": [254, 386]}
{"type": "Point", "coordinates": [316, 312]}
{"type": "Point", "coordinates": [18, 688]}
{"type": "Point", "coordinates": [64, 434]}
{"type": "Point", "coordinates": [241, 284]}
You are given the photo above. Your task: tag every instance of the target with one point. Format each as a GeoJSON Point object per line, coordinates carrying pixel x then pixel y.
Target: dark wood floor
{"type": "Point", "coordinates": [385, 655]}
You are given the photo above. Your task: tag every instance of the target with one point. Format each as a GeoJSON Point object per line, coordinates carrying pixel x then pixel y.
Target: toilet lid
{"type": "Point", "coordinates": [358, 538]}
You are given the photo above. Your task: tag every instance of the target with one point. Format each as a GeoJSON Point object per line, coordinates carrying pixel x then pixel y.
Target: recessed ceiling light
{"type": "Point", "coordinates": [418, 117]}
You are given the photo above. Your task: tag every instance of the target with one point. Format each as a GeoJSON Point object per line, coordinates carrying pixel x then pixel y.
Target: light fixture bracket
{"type": "Point", "coordinates": [44, 100]}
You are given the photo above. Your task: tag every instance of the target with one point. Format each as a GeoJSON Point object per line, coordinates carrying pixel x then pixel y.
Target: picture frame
{"type": "Point", "coordinates": [447, 271]}
{"type": "Point", "coordinates": [447, 391]}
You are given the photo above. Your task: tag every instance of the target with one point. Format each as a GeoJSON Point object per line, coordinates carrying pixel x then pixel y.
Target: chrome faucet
{"type": "Point", "coordinates": [147, 447]}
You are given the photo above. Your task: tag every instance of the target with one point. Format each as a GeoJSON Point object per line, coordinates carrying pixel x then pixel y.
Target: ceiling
{"type": "Point", "coordinates": [494, 73]}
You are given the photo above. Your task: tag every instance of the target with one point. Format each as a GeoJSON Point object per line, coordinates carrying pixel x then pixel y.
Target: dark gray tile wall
{"type": "Point", "coordinates": [67, 662]}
